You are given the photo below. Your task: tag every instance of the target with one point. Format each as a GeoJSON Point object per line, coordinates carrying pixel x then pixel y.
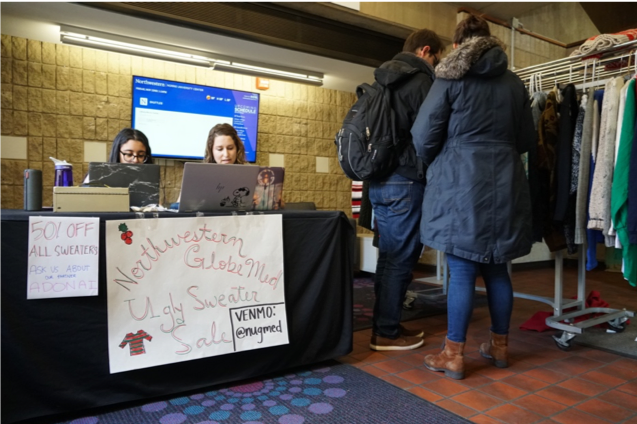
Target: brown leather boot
{"type": "Point", "coordinates": [450, 360]}
{"type": "Point", "coordinates": [496, 350]}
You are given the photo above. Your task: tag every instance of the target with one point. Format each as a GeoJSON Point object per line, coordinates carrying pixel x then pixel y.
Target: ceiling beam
{"type": "Point", "coordinates": [339, 34]}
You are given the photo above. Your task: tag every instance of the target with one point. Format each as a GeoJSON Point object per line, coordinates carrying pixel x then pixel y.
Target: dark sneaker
{"type": "Point", "coordinates": [411, 333]}
{"type": "Point", "coordinates": [401, 343]}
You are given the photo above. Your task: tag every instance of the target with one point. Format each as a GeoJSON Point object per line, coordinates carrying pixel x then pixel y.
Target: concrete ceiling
{"type": "Point", "coordinates": [503, 10]}
{"type": "Point", "coordinates": [608, 17]}
{"type": "Point", "coordinates": [611, 17]}
{"type": "Point", "coordinates": [41, 20]}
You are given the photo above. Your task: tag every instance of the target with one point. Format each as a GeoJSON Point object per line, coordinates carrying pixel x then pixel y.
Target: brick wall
{"type": "Point", "coordinates": [67, 101]}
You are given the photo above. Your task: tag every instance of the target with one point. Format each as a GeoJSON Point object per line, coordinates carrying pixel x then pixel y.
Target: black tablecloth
{"type": "Point", "coordinates": [54, 351]}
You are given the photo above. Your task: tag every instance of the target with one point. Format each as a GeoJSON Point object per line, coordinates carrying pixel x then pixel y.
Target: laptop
{"type": "Point", "coordinates": [141, 179]}
{"type": "Point", "coordinates": [212, 187]}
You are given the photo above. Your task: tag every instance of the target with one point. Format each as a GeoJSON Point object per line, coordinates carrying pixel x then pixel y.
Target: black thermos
{"type": "Point", "coordinates": [32, 190]}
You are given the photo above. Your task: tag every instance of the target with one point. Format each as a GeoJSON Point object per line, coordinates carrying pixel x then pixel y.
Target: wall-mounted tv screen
{"type": "Point", "coordinates": [176, 116]}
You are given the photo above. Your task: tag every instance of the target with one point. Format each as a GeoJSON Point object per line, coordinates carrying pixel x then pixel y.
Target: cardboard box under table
{"type": "Point", "coordinates": [90, 199]}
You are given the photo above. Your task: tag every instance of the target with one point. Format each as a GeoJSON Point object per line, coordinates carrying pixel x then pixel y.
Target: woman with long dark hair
{"type": "Point", "coordinates": [130, 146]}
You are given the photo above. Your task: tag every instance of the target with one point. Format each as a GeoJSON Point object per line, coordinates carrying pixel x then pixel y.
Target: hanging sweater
{"type": "Point", "coordinates": [570, 217]}
{"type": "Point", "coordinates": [619, 195]}
{"type": "Point", "coordinates": [599, 209]}
{"type": "Point", "coordinates": [632, 192]}
{"type": "Point", "coordinates": [594, 236]}
{"type": "Point", "coordinates": [581, 201]}
{"type": "Point", "coordinates": [577, 144]}
{"type": "Point", "coordinates": [620, 118]}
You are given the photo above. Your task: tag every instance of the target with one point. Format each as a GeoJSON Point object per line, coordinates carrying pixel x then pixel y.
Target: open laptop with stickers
{"type": "Point", "coordinates": [211, 187]}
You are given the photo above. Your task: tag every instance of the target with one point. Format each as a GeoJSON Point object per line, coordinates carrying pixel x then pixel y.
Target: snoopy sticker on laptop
{"type": "Point", "coordinates": [241, 199]}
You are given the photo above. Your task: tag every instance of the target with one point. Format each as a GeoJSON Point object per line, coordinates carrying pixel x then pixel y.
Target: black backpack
{"type": "Point", "coordinates": [367, 146]}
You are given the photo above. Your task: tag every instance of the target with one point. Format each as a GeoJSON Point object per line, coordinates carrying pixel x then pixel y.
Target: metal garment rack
{"type": "Point", "coordinates": [560, 320]}
{"type": "Point", "coordinates": [590, 70]}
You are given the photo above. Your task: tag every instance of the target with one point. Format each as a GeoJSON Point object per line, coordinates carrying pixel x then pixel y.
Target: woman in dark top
{"type": "Point", "coordinates": [470, 132]}
{"type": "Point", "coordinates": [129, 146]}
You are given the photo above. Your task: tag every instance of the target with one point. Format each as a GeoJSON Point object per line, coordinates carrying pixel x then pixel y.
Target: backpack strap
{"type": "Point", "coordinates": [364, 88]}
{"type": "Point", "coordinates": [387, 97]}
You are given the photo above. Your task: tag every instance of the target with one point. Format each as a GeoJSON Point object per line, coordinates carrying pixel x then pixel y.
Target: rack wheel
{"type": "Point", "coordinates": [617, 325]}
{"type": "Point", "coordinates": [563, 342]}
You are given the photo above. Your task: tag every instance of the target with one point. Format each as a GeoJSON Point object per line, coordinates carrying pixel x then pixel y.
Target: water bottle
{"type": "Point", "coordinates": [63, 173]}
{"type": "Point", "coordinates": [32, 190]}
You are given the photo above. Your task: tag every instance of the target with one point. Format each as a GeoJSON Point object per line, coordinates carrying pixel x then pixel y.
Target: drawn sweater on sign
{"type": "Point", "coordinates": [136, 342]}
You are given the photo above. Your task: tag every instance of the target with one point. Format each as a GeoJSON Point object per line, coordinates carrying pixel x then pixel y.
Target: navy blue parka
{"type": "Point", "coordinates": [470, 132]}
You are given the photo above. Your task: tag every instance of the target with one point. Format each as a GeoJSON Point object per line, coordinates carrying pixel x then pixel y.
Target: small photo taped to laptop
{"type": "Point", "coordinates": [268, 193]}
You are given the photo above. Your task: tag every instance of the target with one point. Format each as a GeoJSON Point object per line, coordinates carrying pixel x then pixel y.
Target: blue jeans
{"type": "Point", "coordinates": [461, 291]}
{"type": "Point", "coordinates": [397, 204]}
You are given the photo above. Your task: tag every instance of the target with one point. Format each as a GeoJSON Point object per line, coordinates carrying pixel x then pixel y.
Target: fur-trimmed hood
{"type": "Point", "coordinates": [483, 56]}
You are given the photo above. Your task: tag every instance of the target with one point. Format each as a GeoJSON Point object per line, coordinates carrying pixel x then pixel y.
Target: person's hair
{"type": "Point", "coordinates": [224, 129]}
{"type": "Point", "coordinates": [472, 26]}
{"type": "Point", "coordinates": [422, 38]}
{"type": "Point", "coordinates": [125, 135]}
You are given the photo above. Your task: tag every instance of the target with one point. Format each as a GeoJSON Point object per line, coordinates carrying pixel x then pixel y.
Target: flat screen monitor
{"type": "Point", "coordinates": [176, 116]}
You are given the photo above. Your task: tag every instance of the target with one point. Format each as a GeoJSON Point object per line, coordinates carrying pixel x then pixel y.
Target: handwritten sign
{"type": "Point", "coordinates": [188, 288]}
{"type": "Point", "coordinates": [63, 257]}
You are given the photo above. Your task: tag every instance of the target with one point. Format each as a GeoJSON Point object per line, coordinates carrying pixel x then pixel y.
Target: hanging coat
{"type": "Point", "coordinates": [568, 117]}
{"type": "Point", "coordinates": [619, 193]}
{"type": "Point", "coordinates": [547, 143]}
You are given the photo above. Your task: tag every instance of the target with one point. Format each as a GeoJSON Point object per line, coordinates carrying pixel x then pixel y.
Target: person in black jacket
{"type": "Point", "coordinates": [397, 200]}
{"type": "Point", "coordinates": [470, 132]}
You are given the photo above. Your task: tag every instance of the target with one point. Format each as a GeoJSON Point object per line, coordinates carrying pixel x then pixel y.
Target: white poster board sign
{"type": "Point", "coordinates": [188, 288]}
{"type": "Point", "coordinates": [63, 257]}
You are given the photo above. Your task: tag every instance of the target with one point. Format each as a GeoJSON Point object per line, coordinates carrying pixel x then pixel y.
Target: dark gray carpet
{"type": "Point", "coordinates": [331, 392]}
{"type": "Point", "coordinates": [623, 343]}
{"type": "Point", "coordinates": [423, 306]}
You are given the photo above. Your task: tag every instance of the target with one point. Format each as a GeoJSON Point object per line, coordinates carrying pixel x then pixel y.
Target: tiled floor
{"type": "Point", "coordinates": [543, 384]}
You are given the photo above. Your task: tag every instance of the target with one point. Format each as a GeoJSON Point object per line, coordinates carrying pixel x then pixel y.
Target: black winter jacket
{"type": "Point", "coordinates": [409, 79]}
{"type": "Point", "coordinates": [470, 131]}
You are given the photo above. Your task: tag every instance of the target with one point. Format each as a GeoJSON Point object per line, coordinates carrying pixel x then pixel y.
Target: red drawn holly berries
{"type": "Point", "coordinates": [127, 235]}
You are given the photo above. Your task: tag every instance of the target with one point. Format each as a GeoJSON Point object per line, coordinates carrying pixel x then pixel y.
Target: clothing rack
{"type": "Point", "coordinates": [587, 70]}
{"type": "Point", "coordinates": [590, 70]}
{"type": "Point", "coordinates": [560, 320]}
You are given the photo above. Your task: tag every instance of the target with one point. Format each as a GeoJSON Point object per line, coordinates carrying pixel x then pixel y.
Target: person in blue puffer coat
{"type": "Point", "coordinates": [470, 132]}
